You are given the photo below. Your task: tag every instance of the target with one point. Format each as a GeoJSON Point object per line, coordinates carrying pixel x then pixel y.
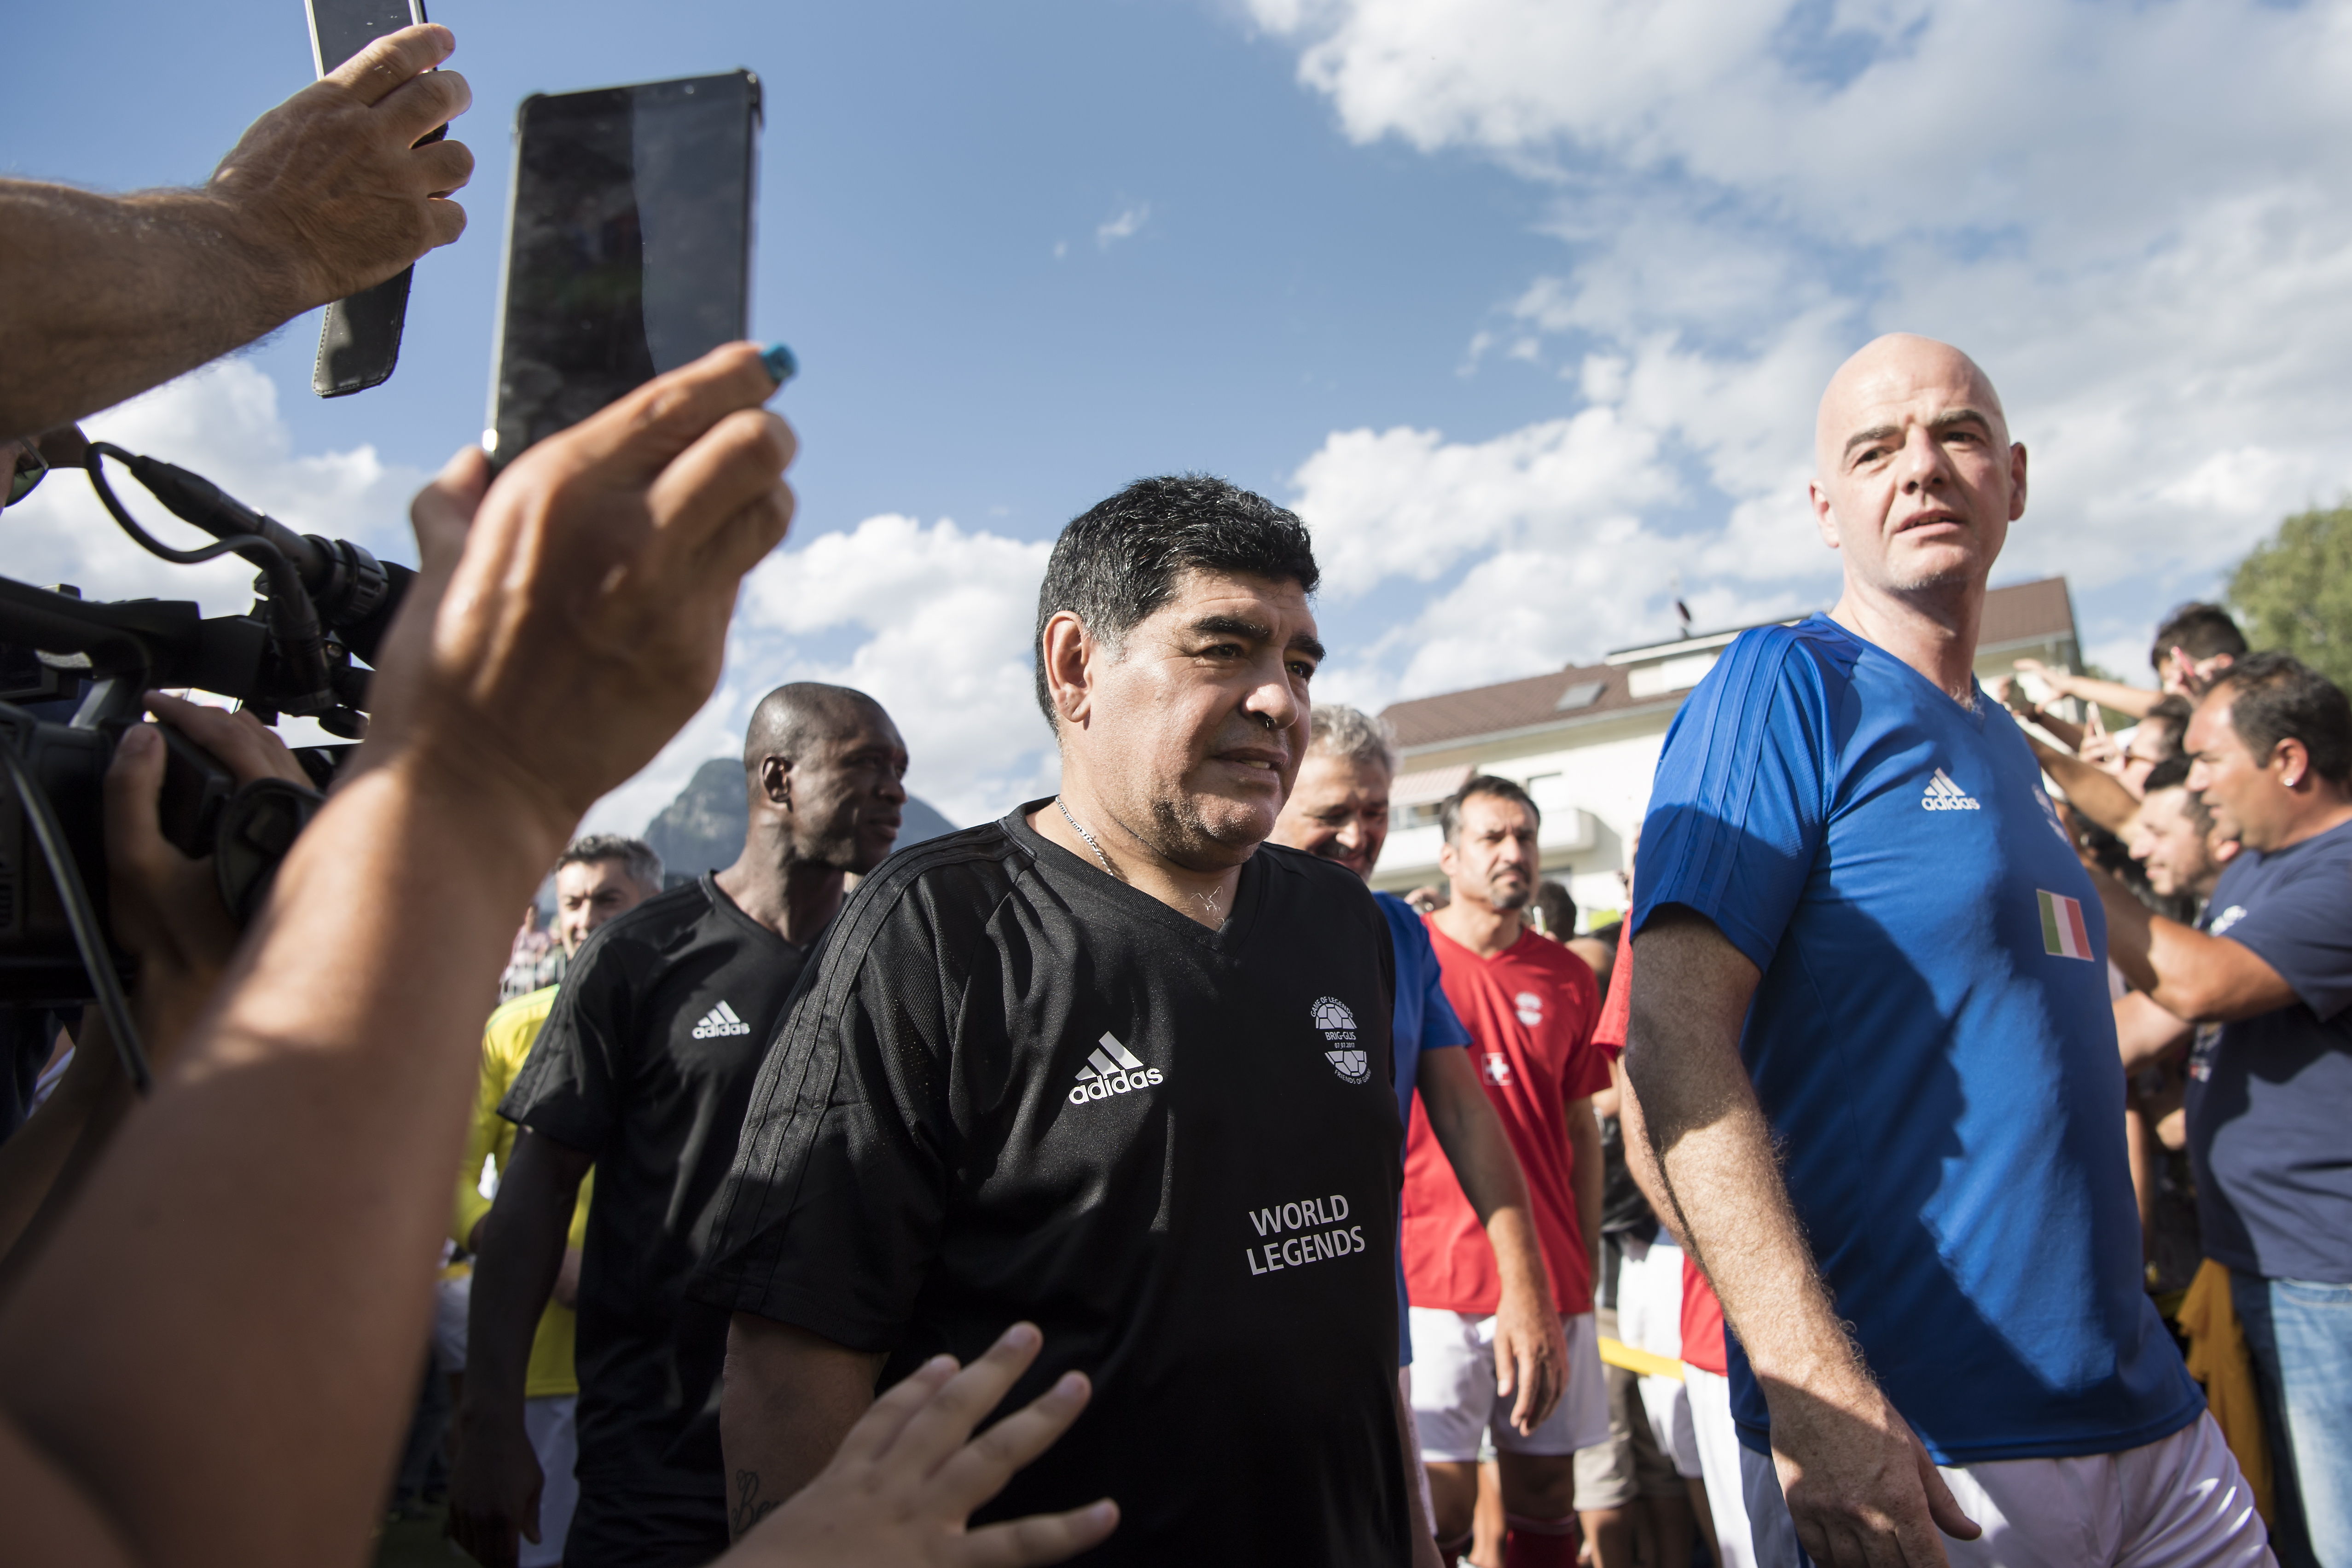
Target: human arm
{"type": "Point", "coordinates": [2091, 790]}
{"type": "Point", "coordinates": [1860, 1487]}
{"type": "Point", "coordinates": [106, 296]}
{"type": "Point", "coordinates": [2197, 978]}
{"type": "Point", "coordinates": [2137, 700]}
{"type": "Point", "coordinates": [161, 1360]}
{"type": "Point", "coordinates": [787, 1400]}
{"type": "Point", "coordinates": [1530, 1348]}
{"type": "Point", "coordinates": [2011, 694]}
{"type": "Point", "coordinates": [1588, 1173]}
{"type": "Point", "coordinates": [2145, 1031]}
{"type": "Point", "coordinates": [495, 1481]}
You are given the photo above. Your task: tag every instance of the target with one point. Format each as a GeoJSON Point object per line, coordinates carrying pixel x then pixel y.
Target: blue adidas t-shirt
{"type": "Point", "coordinates": [2269, 1098]}
{"type": "Point", "coordinates": [1932, 1041]}
{"type": "Point", "coordinates": [1425, 1021]}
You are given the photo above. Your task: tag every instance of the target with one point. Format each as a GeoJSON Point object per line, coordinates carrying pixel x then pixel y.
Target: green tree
{"type": "Point", "coordinates": [2294, 591]}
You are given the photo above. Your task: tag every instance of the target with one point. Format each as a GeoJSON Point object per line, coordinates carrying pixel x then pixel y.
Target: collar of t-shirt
{"type": "Point", "coordinates": [1086, 879]}
{"type": "Point", "coordinates": [728, 909]}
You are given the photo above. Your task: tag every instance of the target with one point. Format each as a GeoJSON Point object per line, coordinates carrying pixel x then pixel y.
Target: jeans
{"type": "Point", "coordinates": [2300, 1337]}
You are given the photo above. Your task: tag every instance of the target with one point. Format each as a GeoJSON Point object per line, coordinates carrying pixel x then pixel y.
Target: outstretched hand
{"type": "Point", "coordinates": [568, 619]}
{"type": "Point", "coordinates": [909, 1474]}
{"type": "Point", "coordinates": [331, 190]}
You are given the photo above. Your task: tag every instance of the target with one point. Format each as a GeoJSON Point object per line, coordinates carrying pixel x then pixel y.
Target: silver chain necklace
{"type": "Point", "coordinates": [1085, 834]}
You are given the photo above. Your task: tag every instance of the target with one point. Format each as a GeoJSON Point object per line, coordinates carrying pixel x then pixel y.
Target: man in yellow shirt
{"type": "Point", "coordinates": [600, 877]}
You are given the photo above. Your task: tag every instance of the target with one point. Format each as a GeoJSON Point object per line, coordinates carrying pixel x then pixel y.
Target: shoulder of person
{"type": "Point", "coordinates": [957, 880]}
{"type": "Point", "coordinates": [1319, 877]}
{"type": "Point", "coordinates": [524, 1014]}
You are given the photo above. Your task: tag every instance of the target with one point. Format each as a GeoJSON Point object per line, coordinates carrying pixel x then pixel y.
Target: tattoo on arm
{"type": "Point", "coordinates": [750, 1507]}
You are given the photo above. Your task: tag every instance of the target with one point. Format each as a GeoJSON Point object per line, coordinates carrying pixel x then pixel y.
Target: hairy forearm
{"type": "Point", "coordinates": [349, 1027]}
{"type": "Point", "coordinates": [102, 297]}
{"type": "Point", "coordinates": [788, 1398]}
{"type": "Point", "coordinates": [1714, 1156]}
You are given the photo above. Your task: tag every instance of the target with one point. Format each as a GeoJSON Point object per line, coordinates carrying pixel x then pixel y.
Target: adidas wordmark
{"type": "Point", "coordinates": [1943, 795]}
{"type": "Point", "coordinates": [720, 1023]}
{"type": "Point", "coordinates": [1111, 1069]}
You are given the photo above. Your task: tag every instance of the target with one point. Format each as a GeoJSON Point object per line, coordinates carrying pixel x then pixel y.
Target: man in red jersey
{"type": "Point", "coordinates": [1529, 1005]}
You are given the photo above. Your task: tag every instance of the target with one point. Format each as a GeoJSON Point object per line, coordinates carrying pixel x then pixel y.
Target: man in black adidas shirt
{"type": "Point", "coordinates": [1115, 1065]}
{"type": "Point", "coordinates": [643, 1071]}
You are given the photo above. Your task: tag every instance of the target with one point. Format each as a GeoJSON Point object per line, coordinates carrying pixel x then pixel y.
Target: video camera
{"type": "Point", "coordinates": [321, 611]}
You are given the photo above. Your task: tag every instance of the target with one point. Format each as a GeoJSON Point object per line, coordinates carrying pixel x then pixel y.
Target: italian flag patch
{"type": "Point", "coordinates": [2064, 934]}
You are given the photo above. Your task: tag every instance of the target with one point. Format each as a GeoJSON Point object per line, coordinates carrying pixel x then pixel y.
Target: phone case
{"type": "Point", "coordinates": [359, 342]}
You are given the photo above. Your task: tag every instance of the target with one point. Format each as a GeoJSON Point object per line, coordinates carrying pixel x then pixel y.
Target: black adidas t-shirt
{"type": "Point", "coordinates": [646, 1063]}
{"type": "Point", "coordinates": [1016, 1088]}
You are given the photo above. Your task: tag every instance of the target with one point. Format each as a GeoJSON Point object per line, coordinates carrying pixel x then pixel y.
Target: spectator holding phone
{"type": "Point", "coordinates": [162, 1360]}
{"type": "Point", "coordinates": [104, 296]}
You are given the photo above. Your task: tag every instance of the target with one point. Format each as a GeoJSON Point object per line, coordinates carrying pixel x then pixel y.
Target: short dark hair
{"type": "Point", "coordinates": [637, 858]}
{"type": "Point", "coordinates": [2173, 773]}
{"type": "Point", "coordinates": [2276, 697]}
{"type": "Point", "coordinates": [1449, 815]}
{"type": "Point", "coordinates": [1558, 908]}
{"type": "Point", "coordinates": [2200, 630]}
{"type": "Point", "coordinates": [2173, 709]}
{"type": "Point", "coordinates": [1118, 560]}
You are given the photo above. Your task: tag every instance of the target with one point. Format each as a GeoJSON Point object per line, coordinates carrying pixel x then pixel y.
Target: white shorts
{"type": "Point", "coordinates": [1453, 1401]}
{"type": "Point", "coordinates": [1650, 1318]}
{"type": "Point", "coordinates": [2178, 1502]}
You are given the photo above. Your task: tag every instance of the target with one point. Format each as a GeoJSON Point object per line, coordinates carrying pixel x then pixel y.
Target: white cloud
{"type": "Point", "coordinates": [1123, 224]}
{"type": "Point", "coordinates": [1747, 190]}
{"type": "Point", "coordinates": [931, 621]}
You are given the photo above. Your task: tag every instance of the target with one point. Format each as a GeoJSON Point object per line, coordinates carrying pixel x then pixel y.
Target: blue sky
{"type": "Point", "coordinates": [1523, 303]}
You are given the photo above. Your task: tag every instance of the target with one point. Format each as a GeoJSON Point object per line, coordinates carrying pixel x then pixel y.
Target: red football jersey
{"type": "Point", "coordinates": [1530, 1010]}
{"type": "Point", "coordinates": [1702, 1322]}
{"type": "Point", "coordinates": [1617, 1013]}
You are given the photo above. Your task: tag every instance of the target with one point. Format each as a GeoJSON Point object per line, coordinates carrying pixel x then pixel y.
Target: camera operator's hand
{"type": "Point", "coordinates": [330, 189]}
{"type": "Point", "coordinates": [165, 908]}
{"type": "Point", "coordinates": [567, 620]}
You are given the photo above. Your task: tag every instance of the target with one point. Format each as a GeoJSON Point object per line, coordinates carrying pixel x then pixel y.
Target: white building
{"type": "Point", "coordinates": [1585, 741]}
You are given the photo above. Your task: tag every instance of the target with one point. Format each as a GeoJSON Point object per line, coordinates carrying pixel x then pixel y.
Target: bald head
{"type": "Point", "coordinates": [1890, 370]}
{"type": "Point", "coordinates": [822, 766]}
{"type": "Point", "coordinates": [1916, 479]}
{"type": "Point", "coordinates": [789, 718]}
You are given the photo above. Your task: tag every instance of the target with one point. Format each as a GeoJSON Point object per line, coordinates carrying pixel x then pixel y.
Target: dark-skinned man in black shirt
{"type": "Point", "coordinates": [1115, 1064]}
{"type": "Point", "coordinates": [643, 1071]}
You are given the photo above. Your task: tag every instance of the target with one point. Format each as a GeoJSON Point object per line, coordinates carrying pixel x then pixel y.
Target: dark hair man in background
{"type": "Point", "coordinates": [599, 877]}
{"type": "Point", "coordinates": [1338, 811]}
{"type": "Point", "coordinates": [1874, 1048]}
{"type": "Point", "coordinates": [2195, 643]}
{"type": "Point", "coordinates": [2270, 1090]}
{"type": "Point", "coordinates": [1530, 1006]}
{"type": "Point", "coordinates": [104, 297]}
{"type": "Point", "coordinates": [643, 1072]}
{"type": "Point", "coordinates": [1113, 1065]}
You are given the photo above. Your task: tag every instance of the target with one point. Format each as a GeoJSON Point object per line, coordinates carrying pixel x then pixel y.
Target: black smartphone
{"type": "Point", "coordinates": [628, 246]}
{"type": "Point", "coordinates": [359, 344]}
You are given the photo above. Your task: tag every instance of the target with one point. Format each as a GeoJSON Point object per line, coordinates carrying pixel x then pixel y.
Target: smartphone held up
{"type": "Point", "coordinates": [628, 246]}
